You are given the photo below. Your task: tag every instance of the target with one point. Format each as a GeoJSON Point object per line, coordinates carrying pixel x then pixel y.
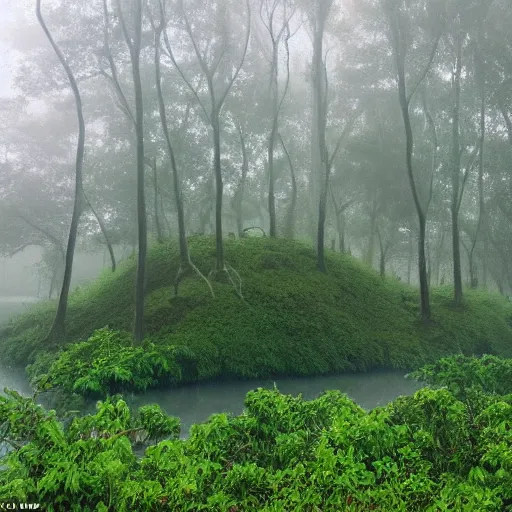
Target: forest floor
{"type": "Point", "coordinates": [292, 320]}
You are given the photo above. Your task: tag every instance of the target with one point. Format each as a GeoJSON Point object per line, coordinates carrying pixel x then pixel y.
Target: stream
{"type": "Point", "coordinates": [195, 403]}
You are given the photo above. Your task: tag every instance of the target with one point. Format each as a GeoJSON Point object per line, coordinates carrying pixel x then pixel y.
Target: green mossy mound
{"type": "Point", "coordinates": [293, 319]}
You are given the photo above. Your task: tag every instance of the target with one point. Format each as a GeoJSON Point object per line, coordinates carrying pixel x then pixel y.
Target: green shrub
{"type": "Point", "coordinates": [107, 363]}
{"type": "Point", "coordinates": [489, 374]}
{"type": "Point", "coordinates": [432, 451]}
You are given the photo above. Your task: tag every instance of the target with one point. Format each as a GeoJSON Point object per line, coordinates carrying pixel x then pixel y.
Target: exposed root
{"type": "Point", "coordinates": [186, 269]}
{"type": "Point", "coordinates": [238, 288]}
{"type": "Point", "coordinates": [202, 276]}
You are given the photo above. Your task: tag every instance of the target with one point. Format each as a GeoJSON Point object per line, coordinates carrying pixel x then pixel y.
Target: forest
{"type": "Point", "coordinates": [277, 188]}
{"type": "Point", "coordinates": [381, 129]}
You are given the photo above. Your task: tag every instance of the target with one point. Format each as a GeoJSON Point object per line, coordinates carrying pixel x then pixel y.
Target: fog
{"type": "Point", "coordinates": [284, 115]}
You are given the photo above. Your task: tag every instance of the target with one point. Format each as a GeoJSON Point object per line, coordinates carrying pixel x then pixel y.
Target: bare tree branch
{"type": "Point", "coordinates": [125, 107]}
{"type": "Point", "coordinates": [426, 69]}
{"type": "Point", "coordinates": [170, 54]}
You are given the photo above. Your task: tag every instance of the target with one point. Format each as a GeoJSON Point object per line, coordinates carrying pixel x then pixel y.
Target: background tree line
{"type": "Point", "coordinates": [381, 128]}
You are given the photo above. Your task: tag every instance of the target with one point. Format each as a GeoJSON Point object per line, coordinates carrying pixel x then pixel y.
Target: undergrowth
{"type": "Point", "coordinates": [293, 320]}
{"type": "Point", "coordinates": [438, 450]}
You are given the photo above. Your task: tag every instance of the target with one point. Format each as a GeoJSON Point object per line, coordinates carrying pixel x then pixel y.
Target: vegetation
{"type": "Point", "coordinates": [216, 134]}
{"type": "Point", "coordinates": [434, 451]}
{"type": "Point", "coordinates": [293, 320]}
{"type": "Point", "coordinates": [108, 363]}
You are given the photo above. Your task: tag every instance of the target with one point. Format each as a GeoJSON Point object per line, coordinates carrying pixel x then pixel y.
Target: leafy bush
{"type": "Point", "coordinates": [107, 363]}
{"type": "Point", "coordinates": [488, 374]}
{"type": "Point", "coordinates": [82, 467]}
{"type": "Point", "coordinates": [429, 452]}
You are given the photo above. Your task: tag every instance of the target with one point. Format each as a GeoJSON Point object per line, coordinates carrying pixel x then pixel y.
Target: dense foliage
{"type": "Point", "coordinates": [461, 374]}
{"type": "Point", "coordinates": [107, 363]}
{"type": "Point", "coordinates": [293, 320]}
{"type": "Point", "coordinates": [429, 452]}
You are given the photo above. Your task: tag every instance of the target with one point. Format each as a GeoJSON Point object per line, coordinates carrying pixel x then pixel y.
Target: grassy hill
{"type": "Point", "coordinates": [293, 319]}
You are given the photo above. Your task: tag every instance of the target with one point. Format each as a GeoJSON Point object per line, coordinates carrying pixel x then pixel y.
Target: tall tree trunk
{"type": "Point", "coordinates": [370, 255]}
{"type": "Point", "coordinates": [429, 264]}
{"type": "Point", "coordinates": [276, 103]}
{"type": "Point", "coordinates": [409, 258]}
{"type": "Point", "coordinates": [400, 50]}
{"type": "Point", "coordinates": [457, 272]}
{"type": "Point", "coordinates": [217, 100]}
{"type": "Point", "coordinates": [52, 282]}
{"type": "Point", "coordinates": [340, 226]}
{"type": "Point", "coordinates": [320, 94]}
{"type": "Point", "coordinates": [439, 251]}
{"type": "Point", "coordinates": [289, 229]}
{"type": "Point", "coordinates": [166, 220]}
{"type": "Point", "coordinates": [422, 264]}
{"type": "Point", "coordinates": [239, 193]}
{"type": "Point", "coordinates": [271, 177]}
{"type": "Point", "coordinates": [134, 45]}
{"type": "Point", "coordinates": [58, 329]}
{"type": "Point", "coordinates": [185, 261]}
{"type": "Point", "coordinates": [480, 227]}
{"type": "Point", "coordinates": [382, 255]}
{"type": "Point", "coordinates": [159, 234]}
{"type": "Point", "coordinates": [219, 191]}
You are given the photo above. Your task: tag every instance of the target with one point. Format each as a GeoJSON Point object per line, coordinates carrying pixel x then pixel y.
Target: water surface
{"type": "Point", "coordinates": [195, 403]}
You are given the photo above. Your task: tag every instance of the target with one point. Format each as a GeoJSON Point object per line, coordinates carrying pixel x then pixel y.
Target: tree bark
{"type": "Point", "coordinates": [158, 226]}
{"type": "Point", "coordinates": [480, 227]}
{"type": "Point", "coordinates": [134, 46]}
{"type": "Point", "coordinates": [240, 190]}
{"type": "Point", "coordinates": [185, 261]}
{"type": "Point", "coordinates": [398, 43]}
{"type": "Point", "coordinates": [216, 103]}
{"type": "Point", "coordinates": [58, 329]}
{"type": "Point", "coordinates": [409, 258]}
{"type": "Point", "coordinates": [371, 238]}
{"type": "Point", "coordinates": [289, 229]}
{"type": "Point", "coordinates": [382, 256]}
{"type": "Point", "coordinates": [457, 273]}
{"type": "Point", "coordinates": [219, 192]}
{"type": "Point", "coordinates": [276, 103]}
{"type": "Point", "coordinates": [319, 121]}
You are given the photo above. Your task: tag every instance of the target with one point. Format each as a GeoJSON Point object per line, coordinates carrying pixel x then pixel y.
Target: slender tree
{"type": "Point", "coordinates": [238, 196]}
{"type": "Point", "coordinates": [186, 264]}
{"type": "Point", "coordinates": [58, 329]}
{"type": "Point", "coordinates": [104, 232]}
{"type": "Point", "coordinates": [400, 45]}
{"type": "Point", "coordinates": [134, 46]}
{"type": "Point", "coordinates": [217, 99]}
{"type": "Point", "coordinates": [456, 76]}
{"type": "Point", "coordinates": [268, 16]}
{"type": "Point", "coordinates": [289, 229]}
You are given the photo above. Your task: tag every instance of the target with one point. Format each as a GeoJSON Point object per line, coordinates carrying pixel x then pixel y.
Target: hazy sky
{"type": "Point", "coordinates": [7, 8]}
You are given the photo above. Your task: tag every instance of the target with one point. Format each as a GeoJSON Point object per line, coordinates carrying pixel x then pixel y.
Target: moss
{"type": "Point", "coordinates": [293, 319]}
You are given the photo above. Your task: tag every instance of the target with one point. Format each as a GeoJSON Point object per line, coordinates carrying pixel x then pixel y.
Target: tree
{"type": "Point", "coordinates": [399, 34]}
{"type": "Point", "coordinates": [134, 46]}
{"type": "Point", "coordinates": [318, 19]}
{"type": "Point", "coordinates": [268, 10]}
{"type": "Point", "coordinates": [219, 45]}
{"type": "Point", "coordinates": [186, 264]}
{"type": "Point", "coordinates": [58, 329]}
{"type": "Point", "coordinates": [289, 229]}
